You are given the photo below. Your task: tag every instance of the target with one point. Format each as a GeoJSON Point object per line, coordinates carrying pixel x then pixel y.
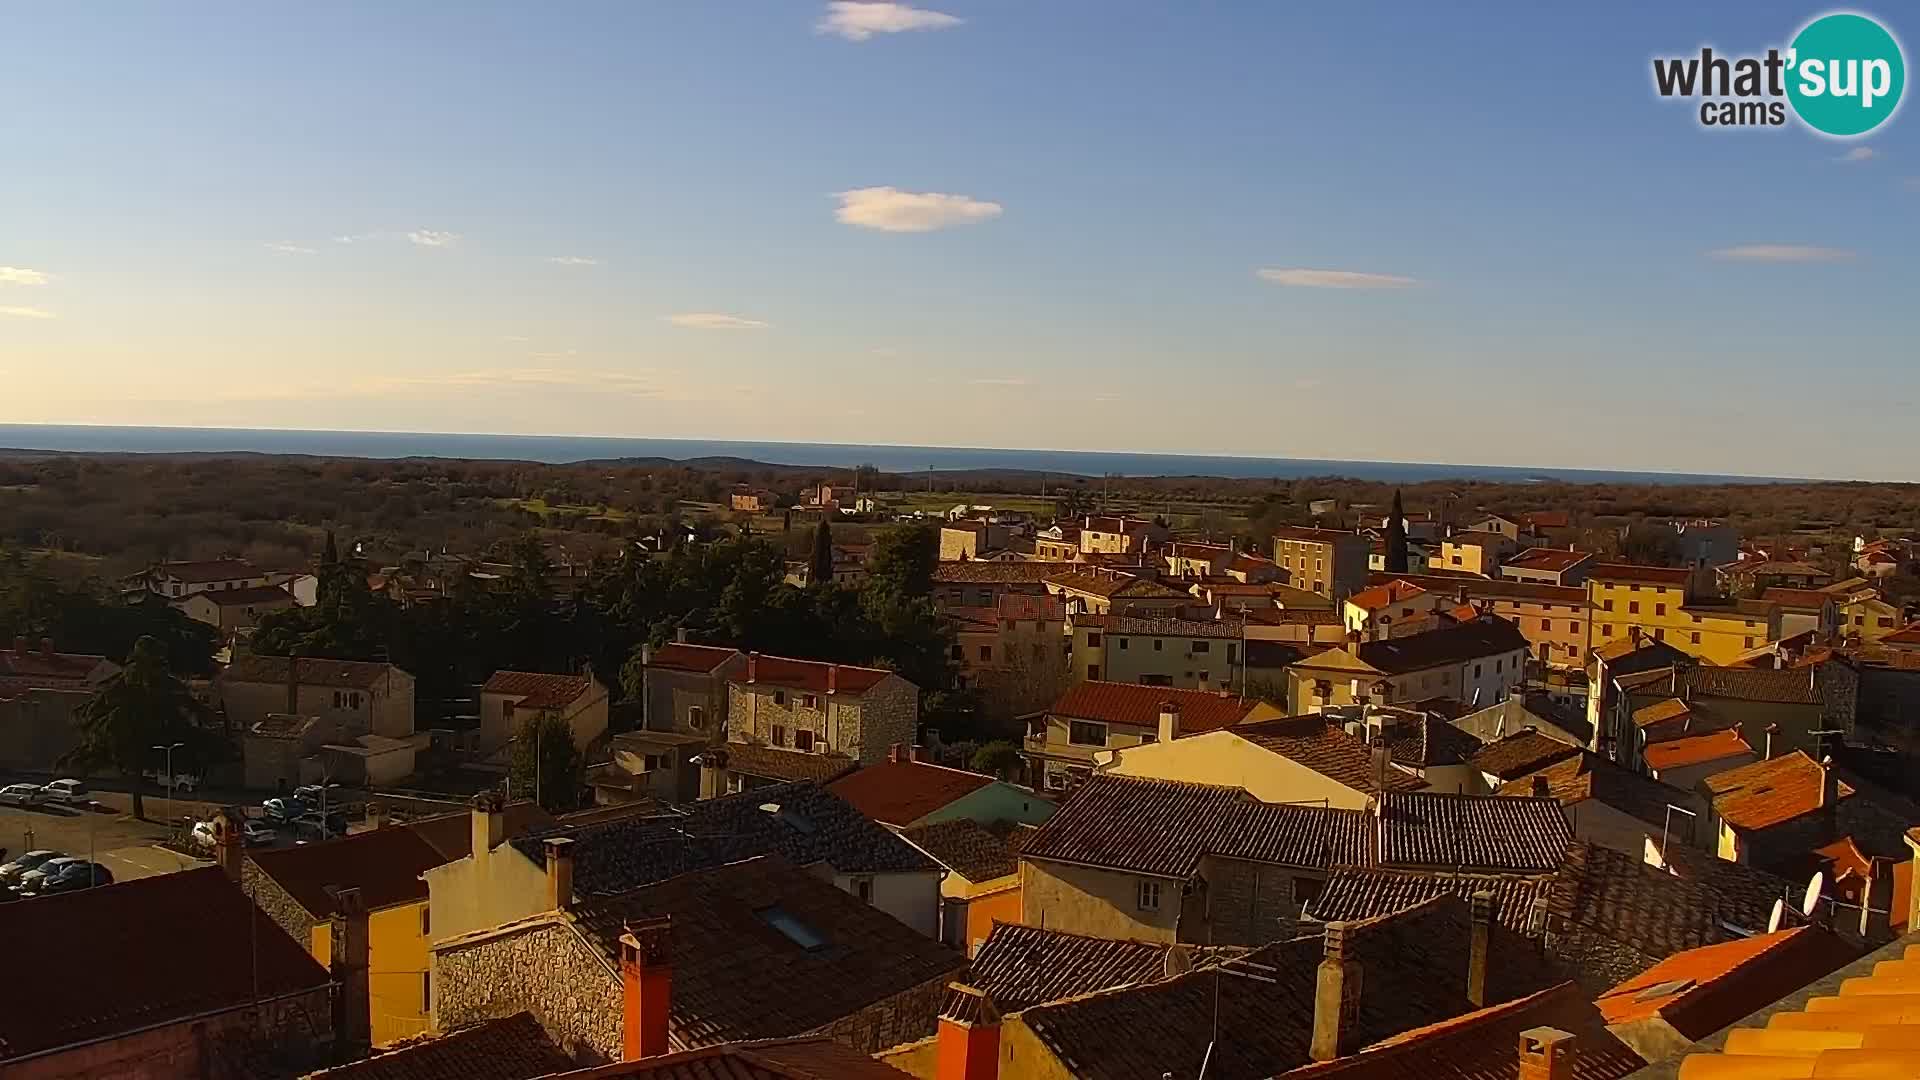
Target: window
{"type": "Point", "coordinates": [1573, 627]}
{"type": "Point", "coordinates": [1123, 644]}
{"type": "Point", "coordinates": [1156, 644]}
{"type": "Point", "coordinates": [426, 992]}
{"type": "Point", "coordinates": [1086, 733]}
{"type": "Point", "coordinates": [986, 653]}
{"type": "Point", "coordinates": [1307, 890]}
{"type": "Point", "coordinates": [1749, 643]}
{"type": "Point", "coordinates": [1232, 651]}
{"type": "Point", "coordinates": [1633, 588]}
{"type": "Point", "coordinates": [736, 784]}
{"type": "Point", "coordinates": [779, 735]}
{"type": "Point", "coordinates": [1499, 666]}
{"type": "Point", "coordinates": [1606, 629]}
{"type": "Point", "coordinates": [696, 717]}
{"type": "Point", "coordinates": [1606, 605]}
{"type": "Point", "coordinates": [336, 699]}
{"type": "Point", "coordinates": [1093, 641]}
{"type": "Point", "coordinates": [1456, 560]}
{"type": "Point", "coordinates": [808, 701]}
{"type": "Point", "coordinates": [653, 762]}
{"type": "Point", "coordinates": [1659, 609]}
{"type": "Point", "coordinates": [1148, 897]}
{"type": "Point", "coordinates": [1633, 607]}
{"type": "Point", "coordinates": [1546, 624]}
{"type": "Point", "coordinates": [1659, 634]}
{"type": "Point", "coordinates": [1696, 618]}
{"type": "Point", "coordinates": [1093, 672]}
{"type": "Point", "coordinates": [1156, 680]}
{"type": "Point", "coordinates": [1886, 622]}
{"type": "Point", "coordinates": [1319, 586]}
{"type": "Point", "coordinates": [1202, 646]}
{"type": "Point", "coordinates": [1858, 620]}
{"type": "Point", "coordinates": [353, 700]}
{"type": "Point", "coordinates": [1476, 671]}
{"type": "Point", "coordinates": [1694, 639]}
{"type": "Point", "coordinates": [426, 920]}
{"type": "Point", "coordinates": [796, 931]}
{"type": "Point", "coordinates": [958, 652]}
{"type": "Point", "coordinates": [779, 697]}
{"type": "Point", "coordinates": [863, 888]}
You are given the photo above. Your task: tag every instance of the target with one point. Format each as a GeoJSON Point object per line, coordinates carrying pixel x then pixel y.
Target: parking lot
{"type": "Point", "coordinates": [124, 845]}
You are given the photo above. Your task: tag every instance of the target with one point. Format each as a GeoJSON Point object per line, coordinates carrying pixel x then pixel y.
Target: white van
{"type": "Point", "coordinates": [67, 791]}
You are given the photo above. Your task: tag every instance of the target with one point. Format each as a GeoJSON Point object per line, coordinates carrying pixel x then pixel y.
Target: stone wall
{"type": "Point", "coordinates": [1248, 903]}
{"type": "Point", "coordinates": [542, 966]}
{"type": "Point", "coordinates": [279, 905]}
{"type": "Point", "coordinates": [286, 1039]}
{"type": "Point", "coordinates": [889, 714]}
{"type": "Point", "coordinates": [904, 1017]}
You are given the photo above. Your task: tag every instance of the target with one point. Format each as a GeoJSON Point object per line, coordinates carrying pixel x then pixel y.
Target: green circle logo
{"type": "Point", "coordinates": [1846, 74]}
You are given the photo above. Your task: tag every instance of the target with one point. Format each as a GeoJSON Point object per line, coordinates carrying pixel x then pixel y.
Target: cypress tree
{"type": "Point", "coordinates": [820, 567]}
{"type": "Point", "coordinates": [1397, 537]}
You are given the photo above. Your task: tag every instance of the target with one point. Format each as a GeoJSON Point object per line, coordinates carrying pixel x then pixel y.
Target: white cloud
{"type": "Point", "coordinates": [27, 313]}
{"type": "Point", "coordinates": [1001, 380]}
{"type": "Point", "coordinates": [1780, 253]}
{"type": "Point", "coordinates": [292, 249]}
{"type": "Point", "coordinates": [891, 210]}
{"type": "Point", "coordinates": [433, 238]}
{"type": "Point", "coordinates": [17, 275]}
{"type": "Point", "coordinates": [1860, 153]}
{"type": "Point", "coordinates": [713, 320]}
{"type": "Point", "coordinates": [1299, 277]}
{"type": "Point", "coordinates": [858, 20]}
{"type": "Point", "coordinates": [354, 238]}
{"type": "Point", "coordinates": [573, 260]}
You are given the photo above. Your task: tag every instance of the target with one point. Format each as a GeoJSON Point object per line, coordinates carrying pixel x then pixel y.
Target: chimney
{"type": "Point", "coordinates": [968, 1045]}
{"type": "Point", "coordinates": [559, 873]}
{"type": "Point", "coordinates": [646, 980]}
{"type": "Point", "coordinates": [1482, 938]}
{"type": "Point", "coordinates": [1541, 789]}
{"type": "Point", "coordinates": [1829, 786]}
{"type": "Point", "coordinates": [293, 685]}
{"type": "Point", "coordinates": [1876, 901]}
{"type": "Point", "coordinates": [680, 635]}
{"type": "Point", "coordinates": [916, 752]}
{"type": "Point", "coordinates": [1169, 721]}
{"type": "Point", "coordinates": [753, 667]}
{"type": "Point", "coordinates": [1336, 998]}
{"type": "Point", "coordinates": [489, 827]}
{"type": "Point", "coordinates": [229, 842]}
{"type": "Point", "coordinates": [1382, 762]}
{"type": "Point", "coordinates": [352, 1004]}
{"type": "Point", "coordinates": [833, 678]}
{"type": "Point", "coordinates": [376, 814]}
{"type": "Point", "coordinates": [897, 753]}
{"type": "Point", "coordinates": [1772, 730]}
{"type": "Point", "coordinates": [46, 647]}
{"type": "Point", "coordinates": [646, 654]}
{"type": "Point", "coordinates": [1545, 1054]}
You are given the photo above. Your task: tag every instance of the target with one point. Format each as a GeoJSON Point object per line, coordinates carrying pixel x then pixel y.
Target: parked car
{"type": "Point", "coordinates": [71, 792]}
{"type": "Point", "coordinates": [29, 860]}
{"type": "Point", "coordinates": [283, 811]}
{"type": "Point", "coordinates": [22, 795]}
{"type": "Point", "coordinates": [181, 781]}
{"type": "Point", "coordinates": [202, 835]}
{"type": "Point", "coordinates": [256, 832]}
{"type": "Point", "coordinates": [78, 874]}
{"type": "Point", "coordinates": [30, 882]}
{"type": "Point", "coordinates": [314, 794]}
{"type": "Point", "coordinates": [314, 827]}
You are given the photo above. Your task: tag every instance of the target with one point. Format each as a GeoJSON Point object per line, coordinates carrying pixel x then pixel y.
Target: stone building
{"type": "Point", "coordinates": [821, 708]}
{"type": "Point", "coordinates": [749, 950]}
{"type": "Point", "coordinates": [362, 698]}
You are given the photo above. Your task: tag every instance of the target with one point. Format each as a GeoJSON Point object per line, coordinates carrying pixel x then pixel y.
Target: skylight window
{"type": "Point", "coordinates": [790, 925]}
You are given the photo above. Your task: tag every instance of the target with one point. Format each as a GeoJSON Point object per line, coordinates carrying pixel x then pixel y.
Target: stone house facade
{"type": "Point", "coordinates": [540, 964]}
{"type": "Point", "coordinates": [821, 708]}
{"type": "Point", "coordinates": [362, 698]}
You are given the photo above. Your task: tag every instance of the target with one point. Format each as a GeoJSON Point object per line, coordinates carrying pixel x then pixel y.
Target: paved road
{"type": "Point", "coordinates": [118, 841]}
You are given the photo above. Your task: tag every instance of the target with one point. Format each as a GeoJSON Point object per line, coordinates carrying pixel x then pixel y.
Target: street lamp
{"type": "Point", "coordinates": [168, 750]}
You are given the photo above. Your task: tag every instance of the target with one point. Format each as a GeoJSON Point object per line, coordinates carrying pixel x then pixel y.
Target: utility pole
{"type": "Point", "coordinates": [168, 750]}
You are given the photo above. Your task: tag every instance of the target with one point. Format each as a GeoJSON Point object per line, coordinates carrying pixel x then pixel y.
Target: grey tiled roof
{"type": "Point", "coordinates": [514, 1048]}
{"type": "Point", "coordinates": [807, 825]}
{"type": "Point", "coordinates": [966, 847]}
{"type": "Point", "coordinates": [1020, 966]}
{"type": "Point", "coordinates": [1520, 753]}
{"type": "Point", "coordinates": [1472, 832]}
{"type": "Point", "coordinates": [1358, 892]}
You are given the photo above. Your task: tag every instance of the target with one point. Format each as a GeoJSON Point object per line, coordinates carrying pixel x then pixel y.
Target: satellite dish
{"type": "Point", "coordinates": [1812, 898]}
{"type": "Point", "coordinates": [1779, 913]}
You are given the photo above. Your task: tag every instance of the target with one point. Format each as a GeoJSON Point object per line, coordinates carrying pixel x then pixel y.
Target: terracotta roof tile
{"type": "Point", "coordinates": [514, 1048]}
{"type": "Point", "coordinates": [1660, 712]}
{"type": "Point", "coordinates": [700, 659]}
{"type": "Point", "coordinates": [1645, 575]}
{"type": "Point", "coordinates": [1378, 596]}
{"type": "Point", "coordinates": [259, 594]}
{"type": "Point", "coordinates": [1550, 560]}
{"type": "Point", "coordinates": [812, 675]}
{"type": "Point", "coordinates": [1587, 776]}
{"type": "Point", "coordinates": [1325, 748]}
{"type": "Point", "coordinates": [817, 1058]}
{"type": "Point", "coordinates": [1768, 792]}
{"type": "Point", "coordinates": [1113, 586]}
{"type": "Point", "coordinates": [1521, 753]}
{"type": "Point", "coordinates": [1293, 616]}
{"type": "Point", "coordinates": [722, 941]}
{"type": "Point", "coordinates": [1448, 645]}
{"type": "Point", "coordinates": [975, 572]}
{"type": "Point", "coordinates": [1702, 990]}
{"type": "Point", "coordinates": [1472, 832]}
{"type": "Point", "coordinates": [346, 674]}
{"type": "Point", "coordinates": [200, 573]}
{"type": "Point", "coordinates": [967, 848]}
{"type": "Point", "coordinates": [1361, 892]}
{"type": "Point", "coordinates": [171, 947]}
{"type": "Point", "coordinates": [1484, 1045]}
{"type": "Point", "coordinates": [775, 763]}
{"type": "Point", "coordinates": [537, 689]}
{"type": "Point", "coordinates": [1162, 627]}
{"type": "Point", "coordinates": [1022, 966]}
{"type": "Point", "coordinates": [40, 669]}
{"type": "Point", "coordinates": [900, 793]}
{"type": "Point", "coordinates": [1802, 599]}
{"type": "Point", "coordinates": [1139, 706]}
{"type": "Point", "coordinates": [1312, 535]}
{"type": "Point", "coordinates": [1695, 749]}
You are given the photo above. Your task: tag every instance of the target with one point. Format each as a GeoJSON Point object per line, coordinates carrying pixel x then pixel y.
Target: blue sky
{"type": "Point", "coordinates": [717, 220]}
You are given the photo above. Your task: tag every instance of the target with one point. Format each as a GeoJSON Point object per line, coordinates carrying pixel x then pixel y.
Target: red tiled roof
{"type": "Point", "coordinates": [1392, 592]}
{"type": "Point", "coordinates": [199, 573]}
{"type": "Point", "coordinates": [1139, 706]}
{"type": "Point", "coordinates": [809, 1058]}
{"type": "Point", "coordinates": [1768, 792]}
{"type": "Point", "coordinates": [806, 674]}
{"type": "Point", "coordinates": [47, 670]}
{"type": "Point", "coordinates": [978, 572]}
{"type": "Point", "coordinates": [1547, 519]}
{"type": "Point", "coordinates": [352, 674]}
{"type": "Point", "coordinates": [1311, 535]}
{"type": "Point", "coordinates": [1161, 626]}
{"type": "Point", "coordinates": [140, 954]}
{"type": "Point", "coordinates": [902, 792]}
{"type": "Point", "coordinates": [1796, 598]}
{"type": "Point", "coordinates": [1325, 748]}
{"type": "Point", "coordinates": [1703, 990]}
{"type": "Point", "coordinates": [1551, 560]}
{"type": "Point", "coordinates": [513, 1048]}
{"type": "Point", "coordinates": [538, 689]}
{"type": "Point", "coordinates": [699, 659]}
{"type": "Point", "coordinates": [1644, 575]}
{"type": "Point", "coordinates": [1696, 749]}
{"type": "Point", "coordinates": [259, 594]}
{"type": "Point", "coordinates": [1113, 586]}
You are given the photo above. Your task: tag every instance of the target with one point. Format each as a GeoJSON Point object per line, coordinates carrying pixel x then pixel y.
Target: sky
{"type": "Point", "coordinates": [1355, 231]}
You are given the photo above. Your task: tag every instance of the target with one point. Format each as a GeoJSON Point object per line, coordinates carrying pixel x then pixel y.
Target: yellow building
{"type": "Point", "coordinates": [1327, 561]}
{"type": "Point", "coordinates": [982, 885]}
{"type": "Point", "coordinates": [294, 886]}
{"type": "Point", "coordinates": [1474, 553]}
{"type": "Point", "coordinates": [1654, 600]}
{"type": "Point", "coordinates": [1296, 759]}
{"type": "Point", "coordinates": [1119, 535]}
{"type": "Point", "coordinates": [1091, 717]}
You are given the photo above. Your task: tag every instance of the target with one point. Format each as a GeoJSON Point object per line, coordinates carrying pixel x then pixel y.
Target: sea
{"type": "Point", "coordinates": [564, 449]}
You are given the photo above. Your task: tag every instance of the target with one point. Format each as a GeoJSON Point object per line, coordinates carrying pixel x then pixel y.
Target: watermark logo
{"type": "Point", "coordinates": [1842, 75]}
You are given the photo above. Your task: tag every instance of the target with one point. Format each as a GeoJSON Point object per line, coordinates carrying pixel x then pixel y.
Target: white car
{"type": "Point", "coordinates": [202, 835]}
{"type": "Point", "coordinates": [71, 792]}
{"type": "Point", "coordinates": [22, 795]}
{"type": "Point", "coordinates": [256, 832]}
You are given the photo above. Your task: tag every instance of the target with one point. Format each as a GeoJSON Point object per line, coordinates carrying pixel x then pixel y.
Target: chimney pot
{"type": "Point", "coordinates": [489, 825]}
{"type": "Point", "coordinates": [1169, 721]}
{"type": "Point", "coordinates": [646, 979]}
{"type": "Point", "coordinates": [350, 957]}
{"type": "Point", "coordinates": [1482, 940]}
{"type": "Point", "coordinates": [1336, 998]}
{"type": "Point", "coordinates": [753, 667]}
{"type": "Point", "coordinates": [1546, 1053]}
{"type": "Point", "coordinates": [968, 1044]}
{"type": "Point", "coordinates": [680, 635]}
{"type": "Point", "coordinates": [833, 678]}
{"type": "Point", "coordinates": [559, 873]}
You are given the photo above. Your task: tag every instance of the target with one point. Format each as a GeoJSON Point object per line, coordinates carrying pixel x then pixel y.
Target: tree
{"type": "Point", "coordinates": [999, 758]}
{"type": "Point", "coordinates": [820, 563]}
{"type": "Point", "coordinates": [1396, 537]}
{"type": "Point", "coordinates": [546, 764]}
{"type": "Point", "coordinates": [142, 706]}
